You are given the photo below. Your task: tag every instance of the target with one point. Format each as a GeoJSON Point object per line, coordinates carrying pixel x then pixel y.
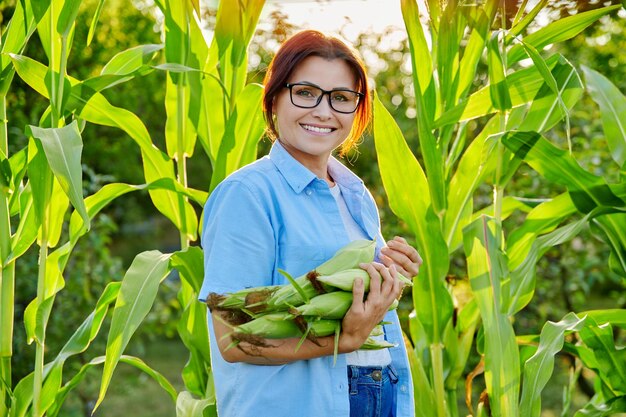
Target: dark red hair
{"type": "Point", "coordinates": [313, 43]}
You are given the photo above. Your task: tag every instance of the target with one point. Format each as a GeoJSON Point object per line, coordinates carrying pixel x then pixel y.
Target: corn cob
{"type": "Point", "coordinates": [348, 257]}
{"type": "Point", "coordinates": [344, 280]}
{"type": "Point", "coordinates": [333, 305]}
{"type": "Point", "coordinates": [243, 298]}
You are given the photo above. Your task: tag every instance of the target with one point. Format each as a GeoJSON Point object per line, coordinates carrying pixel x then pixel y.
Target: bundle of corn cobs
{"type": "Point", "coordinates": [307, 307]}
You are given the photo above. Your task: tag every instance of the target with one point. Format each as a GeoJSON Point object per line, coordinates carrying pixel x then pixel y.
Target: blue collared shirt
{"type": "Point", "coordinates": [276, 214]}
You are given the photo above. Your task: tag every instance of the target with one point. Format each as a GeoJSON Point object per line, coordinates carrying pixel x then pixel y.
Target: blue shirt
{"type": "Point", "coordinates": [276, 214]}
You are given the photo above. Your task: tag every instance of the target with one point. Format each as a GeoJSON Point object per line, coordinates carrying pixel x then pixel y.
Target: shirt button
{"type": "Point", "coordinates": [403, 388]}
{"type": "Point", "coordinates": [309, 192]}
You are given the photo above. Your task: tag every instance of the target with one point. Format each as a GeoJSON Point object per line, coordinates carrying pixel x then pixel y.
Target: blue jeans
{"type": "Point", "coordinates": [372, 391]}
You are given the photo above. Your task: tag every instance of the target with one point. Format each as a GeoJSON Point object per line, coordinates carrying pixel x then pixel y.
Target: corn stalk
{"type": "Point", "coordinates": [436, 201]}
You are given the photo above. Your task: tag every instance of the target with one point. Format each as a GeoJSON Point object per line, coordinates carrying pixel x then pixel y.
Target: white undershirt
{"type": "Point", "coordinates": [380, 357]}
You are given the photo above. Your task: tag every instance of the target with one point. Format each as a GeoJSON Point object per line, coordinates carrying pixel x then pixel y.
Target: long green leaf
{"type": "Point", "coordinates": [559, 31]}
{"type": "Point", "coordinates": [131, 60]}
{"type": "Point", "coordinates": [613, 110]}
{"type": "Point", "coordinates": [243, 131]}
{"type": "Point", "coordinates": [561, 91]}
{"type": "Point", "coordinates": [475, 46]}
{"type": "Point", "coordinates": [498, 88]}
{"type": "Point", "coordinates": [96, 109]}
{"type": "Point", "coordinates": [586, 190]}
{"type": "Point", "coordinates": [63, 148]}
{"type": "Point", "coordinates": [78, 342]}
{"type": "Point", "coordinates": [611, 359]}
{"type": "Point", "coordinates": [406, 191]}
{"type": "Point", "coordinates": [539, 368]}
{"type": "Point", "coordinates": [486, 266]}
{"type": "Point", "coordinates": [421, 60]}
{"type": "Point", "coordinates": [130, 360]}
{"type": "Point", "coordinates": [137, 294]}
{"type": "Point", "coordinates": [523, 86]}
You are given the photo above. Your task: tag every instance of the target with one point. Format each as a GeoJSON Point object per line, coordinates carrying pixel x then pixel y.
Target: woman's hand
{"type": "Point", "coordinates": [364, 315]}
{"type": "Point", "coordinates": [404, 256]}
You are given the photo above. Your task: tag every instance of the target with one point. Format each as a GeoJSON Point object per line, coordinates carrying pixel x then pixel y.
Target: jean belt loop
{"type": "Point", "coordinates": [354, 377]}
{"type": "Point", "coordinates": [393, 374]}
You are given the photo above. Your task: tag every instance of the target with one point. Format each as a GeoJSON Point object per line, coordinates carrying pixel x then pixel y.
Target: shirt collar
{"type": "Point", "coordinates": [299, 177]}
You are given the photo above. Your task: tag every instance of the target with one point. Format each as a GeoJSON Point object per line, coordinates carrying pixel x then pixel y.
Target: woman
{"type": "Point", "coordinates": [292, 210]}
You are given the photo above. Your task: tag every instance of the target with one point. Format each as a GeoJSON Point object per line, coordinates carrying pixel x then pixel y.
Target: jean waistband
{"type": "Point", "coordinates": [372, 371]}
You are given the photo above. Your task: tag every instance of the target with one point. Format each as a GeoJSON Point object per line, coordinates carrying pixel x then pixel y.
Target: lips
{"type": "Point", "coordinates": [317, 129]}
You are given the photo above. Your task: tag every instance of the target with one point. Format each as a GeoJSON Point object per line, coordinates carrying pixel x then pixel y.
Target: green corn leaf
{"type": "Point", "coordinates": [422, 390]}
{"type": "Point", "coordinates": [188, 406]}
{"type": "Point", "coordinates": [475, 165]}
{"type": "Point", "coordinates": [40, 178]}
{"type": "Point", "coordinates": [63, 148]}
{"type": "Point", "coordinates": [554, 99]}
{"type": "Point", "coordinates": [539, 368]}
{"type": "Point", "coordinates": [137, 294]}
{"type": "Point", "coordinates": [559, 31]}
{"type": "Point", "coordinates": [541, 219]}
{"type": "Point", "coordinates": [189, 263]}
{"type": "Point", "coordinates": [611, 360]}
{"type": "Point", "coordinates": [96, 109]}
{"type": "Point", "coordinates": [520, 24]}
{"type": "Point", "coordinates": [613, 110]}
{"type": "Point", "coordinates": [613, 227]}
{"type": "Point", "coordinates": [523, 87]}
{"type": "Point", "coordinates": [486, 265]}
{"type": "Point", "coordinates": [67, 17]}
{"type": "Point", "coordinates": [586, 190]}
{"type": "Point", "coordinates": [598, 407]}
{"type": "Point", "coordinates": [523, 276]}
{"type": "Point", "coordinates": [475, 46]}
{"type": "Point", "coordinates": [94, 22]}
{"type": "Point", "coordinates": [498, 87]}
{"type": "Point", "coordinates": [26, 231]}
{"type": "Point", "coordinates": [58, 205]}
{"type": "Point", "coordinates": [193, 331]}
{"type": "Point", "coordinates": [421, 60]}
{"type": "Point", "coordinates": [242, 134]}
{"type": "Point", "coordinates": [78, 342]}
{"type": "Point", "coordinates": [130, 360]}
{"type": "Point", "coordinates": [131, 60]}
{"type": "Point", "coordinates": [414, 208]}
{"type": "Point", "coordinates": [14, 38]}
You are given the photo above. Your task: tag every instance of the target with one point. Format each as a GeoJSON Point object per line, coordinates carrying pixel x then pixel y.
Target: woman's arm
{"type": "Point", "coordinates": [356, 326]}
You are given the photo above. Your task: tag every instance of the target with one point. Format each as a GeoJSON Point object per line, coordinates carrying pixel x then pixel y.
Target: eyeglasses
{"type": "Point", "coordinates": [308, 95]}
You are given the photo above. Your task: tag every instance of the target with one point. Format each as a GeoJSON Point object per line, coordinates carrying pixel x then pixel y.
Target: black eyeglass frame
{"type": "Point", "coordinates": [324, 92]}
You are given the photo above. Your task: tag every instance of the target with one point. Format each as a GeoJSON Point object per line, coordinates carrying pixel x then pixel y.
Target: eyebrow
{"type": "Point", "coordinates": [315, 85]}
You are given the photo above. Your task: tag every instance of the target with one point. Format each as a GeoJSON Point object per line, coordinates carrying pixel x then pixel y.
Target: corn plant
{"type": "Point", "coordinates": [204, 100]}
{"type": "Point", "coordinates": [513, 106]}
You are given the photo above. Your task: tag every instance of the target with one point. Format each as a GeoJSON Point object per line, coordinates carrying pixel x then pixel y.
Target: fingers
{"type": "Point", "coordinates": [406, 258]}
{"type": "Point", "coordinates": [384, 282]}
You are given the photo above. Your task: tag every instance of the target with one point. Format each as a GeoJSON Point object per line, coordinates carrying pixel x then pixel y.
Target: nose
{"type": "Point", "coordinates": [323, 110]}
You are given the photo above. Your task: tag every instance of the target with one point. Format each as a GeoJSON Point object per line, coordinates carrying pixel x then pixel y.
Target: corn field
{"type": "Point", "coordinates": [469, 63]}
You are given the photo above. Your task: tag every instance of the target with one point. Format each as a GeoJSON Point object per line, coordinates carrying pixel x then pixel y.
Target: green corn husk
{"type": "Point", "coordinates": [348, 257]}
{"type": "Point", "coordinates": [333, 305]}
{"type": "Point", "coordinates": [375, 344]}
{"type": "Point", "coordinates": [246, 297]}
{"type": "Point", "coordinates": [377, 330]}
{"type": "Point", "coordinates": [278, 325]}
{"type": "Point", "coordinates": [344, 280]}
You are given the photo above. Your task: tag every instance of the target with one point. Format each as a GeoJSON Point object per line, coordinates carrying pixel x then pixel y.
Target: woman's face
{"type": "Point", "coordinates": [310, 135]}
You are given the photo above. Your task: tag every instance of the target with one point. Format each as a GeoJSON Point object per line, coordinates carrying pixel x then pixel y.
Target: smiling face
{"type": "Point", "coordinates": [310, 135]}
